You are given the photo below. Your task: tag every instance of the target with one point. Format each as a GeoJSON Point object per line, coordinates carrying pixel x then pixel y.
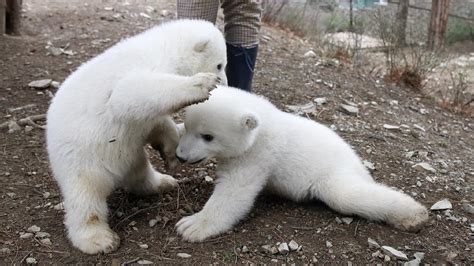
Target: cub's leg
{"type": "Point", "coordinates": [144, 95]}
{"type": "Point", "coordinates": [144, 180]}
{"type": "Point", "coordinates": [165, 138]}
{"type": "Point", "coordinates": [374, 201]}
{"type": "Point", "coordinates": [233, 197]}
{"type": "Point", "coordinates": [85, 203]}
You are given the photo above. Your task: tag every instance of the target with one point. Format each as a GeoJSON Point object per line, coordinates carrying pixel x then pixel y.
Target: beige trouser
{"type": "Point", "coordinates": [241, 18]}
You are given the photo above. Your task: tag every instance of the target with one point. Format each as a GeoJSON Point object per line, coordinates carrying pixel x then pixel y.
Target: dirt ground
{"type": "Point", "coordinates": [29, 195]}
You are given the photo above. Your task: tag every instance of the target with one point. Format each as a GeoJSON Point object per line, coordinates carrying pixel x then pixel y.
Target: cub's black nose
{"type": "Point", "coordinates": [180, 159]}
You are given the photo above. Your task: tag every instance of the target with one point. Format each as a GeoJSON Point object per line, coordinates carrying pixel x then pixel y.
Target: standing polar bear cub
{"type": "Point", "coordinates": [107, 110]}
{"type": "Point", "coordinates": [259, 146]}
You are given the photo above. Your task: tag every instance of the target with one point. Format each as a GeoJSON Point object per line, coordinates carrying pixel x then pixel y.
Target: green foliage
{"type": "Point", "coordinates": [459, 30]}
{"type": "Point", "coordinates": [336, 23]}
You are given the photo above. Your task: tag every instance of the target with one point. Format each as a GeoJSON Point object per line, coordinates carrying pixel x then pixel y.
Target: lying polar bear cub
{"type": "Point", "coordinates": [259, 146]}
{"type": "Point", "coordinates": [109, 108]}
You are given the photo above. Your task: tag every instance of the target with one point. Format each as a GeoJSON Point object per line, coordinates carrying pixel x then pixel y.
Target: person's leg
{"type": "Point", "coordinates": [198, 9]}
{"type": "Point", "coordinates": [242, 26]}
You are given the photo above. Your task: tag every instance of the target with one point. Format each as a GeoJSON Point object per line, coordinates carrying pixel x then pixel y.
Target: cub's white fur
{"type": "Point", "coordinates": [259, 146]}
{"type": "Point", "coordinates": [107, 110]}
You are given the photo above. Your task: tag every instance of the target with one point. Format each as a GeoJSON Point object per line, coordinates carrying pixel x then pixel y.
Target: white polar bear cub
{"type": "Point", "coordinates": [259, 146]}
{"type": "Point", "coordinates": [107, 110]}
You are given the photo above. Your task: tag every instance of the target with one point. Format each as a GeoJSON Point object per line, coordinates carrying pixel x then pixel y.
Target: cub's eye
{"type": "Point", "coordinates": [207, 137]}
{"type": "Point", "coordinates": [219, 66]}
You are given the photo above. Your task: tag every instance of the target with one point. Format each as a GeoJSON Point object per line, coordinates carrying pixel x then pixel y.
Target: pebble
{"type": "Point", "coordinates": [443, 204]}
{"type": "Point", "coordinates": [152, 222]}
{"type": "Point", "coordinates": [59, 206]}
{"type": "Point", "coordinates": [391, 127]}
{"type": "Point", "coordinates": [46, 241]}
{"type": "Point", "coordinates": [245, 249]}
{"type": "Point", "coordinates": [46, 195]}
{"type": "Point", "coordinates": [468, 208]}
{"type": "Point", "coordinates": [270, 249]}
{"type": "Point", "coordinates": [55, 84]}
{"type": "Point", "coordinates": [208, 179]}
{"type": "Point", "coordinates": [419, 255]}
{"type": "Point", "coordinates": [368, 165]}
{"type": "Point", "coordinates": [31, 260]}
{"type": "Point", "coordinates": [349, 109]}
{"type": "Point", "coordinates": [310, 53]}
{"type": "Point", "coordinates": [347, 220]}
{"type": "Point", "coordinates": [26, 235]}
{"type": "Point", "coordinates": [144, 262]}
{"type": "Point", "coordinates": [320, 101]}
{"type": "Point", "coordinates": [40, 84]}
{"type": "Point", "coordinates": [373, 243]}
{"type": "Point", "coordinates": [424, 167]}
{"type": "Point", "coordinates": [164, 13]}
{"type": "Point", "coordinates": [293, 245]}
{"type": "Point", "coordinates": [144, 246]}
{"type": "Point", "coordinates": [34, 229]}
{"type": "Point", "coordinates": [283, 248]}
{"type": "Point", "coordinates": [42, 235]}
{"type": "Point", "coordinates": [394, 253]}
{"type": "Point", "coordinates": [184, 255]}
{"type": "Point", "coordinates": [328, 244]}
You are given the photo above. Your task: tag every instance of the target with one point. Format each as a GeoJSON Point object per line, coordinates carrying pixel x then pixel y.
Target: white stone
{"type": "Point", "coordinates": [144, 246]}
{"type": "Point", "coordinates": [347, 220]}
{"type": "Point", "coordinates": [46, 195]}
{"type": "Point", "coordinates": [424, 167]}
{"type": "Point", "coordinates": [373, 243]}
{"type": "Point", "coordinates": [390, 127]}
{"type": "Point", "coordinates": [245, 249]}
{"type": "Point", "coordinates": [328, 244]}
{"type": "Point", "coordinates": [144, 262]}
{"type": "Point", "coordinates": [152, 222]}
{"type": "Point", "coordinates": [419, 255]}
{"type": "Point", "coordinates": [349, 109]}
{"type": "Point", "coordinates": [59, 206]}
{"type": "Point", "coordinates": [40, 84]}
{"type": "Point", "coordinates": [31, 260]}
{"type": "Point", "coordinates": [443, 204]}
{"type": "Point", "coordinates": [34, 229]}
{"type": "Point", "coordinates": [42, 235]}
{"type": "Point", "coordinates": [283, 248]}
{"type": "Point", "coordinates": [320, 100]}
{"type": "Point", "coordinates": [368, 165]}
{"type": "Point", "coordinates": [468, 208]}
{"type": "Point", "coordinates": [165, 13]}
{"type": "Point", "coordinates": [310, 53]}
{"type": "Point", "coordinates": [184, 255]}
{"type": "Point", "coordinates": [26, 235]}
{"type": "Point", "coordinates": [208, 179]}
{"type": "Point", "coordinates": [46, 241]}
{"type": "Point", "coordinates": [394, 253]}
{"type": "Point", "coordinates": [293, 245]}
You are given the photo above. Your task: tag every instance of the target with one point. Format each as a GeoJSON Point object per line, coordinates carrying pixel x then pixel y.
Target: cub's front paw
{"type": "Point", "coordinates": [197, 227]}
{"type": "Point", "coordinates": [412, 220]}
{"type": "Point", "coordinates": [95, 239]}
{"type": "Point", "coordinates": [205, 82]}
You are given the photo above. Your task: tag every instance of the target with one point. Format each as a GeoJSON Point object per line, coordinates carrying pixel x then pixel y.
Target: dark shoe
{"type": "Point", "coordinates": [240, 66]}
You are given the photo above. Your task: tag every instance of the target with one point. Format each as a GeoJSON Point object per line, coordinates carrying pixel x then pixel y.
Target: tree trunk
{"type": "Point", "coordinates": [439, 20]}
{"type": "Point", "coordinates": [13, 17]}
{"type": "Point", "coordinates": [3, 6]}
{"type": "Point", "coordinates": [402, 18]}
{"type": "Point", "coordinates": [351, 15]}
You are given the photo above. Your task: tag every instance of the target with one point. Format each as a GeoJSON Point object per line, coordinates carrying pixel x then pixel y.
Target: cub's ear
{"type": "Point", "coordinates": [200, 46]}
{"type": "Point", "coordinates": [249, 121]}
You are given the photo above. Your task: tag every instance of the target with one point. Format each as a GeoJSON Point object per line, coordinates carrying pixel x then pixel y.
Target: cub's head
{"type": "Point", "coordinates": [219, 127]}
{"type": "Point", "coordinates": [201, 47]}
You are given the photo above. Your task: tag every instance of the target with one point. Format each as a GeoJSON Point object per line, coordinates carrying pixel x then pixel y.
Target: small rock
{"type": "Point", "coordinates": [46, 195]}
{"type": "Point", "coordinates": [394, 253]}
{"type": "Point", "coordinates": [184, 255]}
{"type": "Point", "coordinates": [13, 126]}
{"type": "Point", "coordinates": [270, 249]}
{"type": "Point", "coordinates": [310, 53]}
{"type": "Point", "coordinates": [424, 167]}
{"type": "Point", "coordinates": [34, 229]}
{"type": "Point", "coordinates": [443, 204]}
{"type": "Point", "coordinates": [26, 235]}
{"type": "Point", "coordinates": [46, 241]}
{"type": "Point", "coordinates": [145, 15]}
{"type": "Point", "coordinates": [208, 179]}
{"type": "Point", "coordinates": [164, 13]}
{"type": "Point", "coordinates": [245, 249]}
{"type": "Point", "coordinates": [369, 165]}
{"type": "Point", "coordinates": [283, 248]}
{"type": "Point", "coordinates": [152, 222]}
{"type": "Point", "coordinates": [373, 243]}
{"type": "Point", "coordinates": [59, 206]}
{"type": "Point", "coordinates": [386, 258]}
{"type": "Point", "coordinates": [328, 244]}
{"type": "Point", "coordinates": [293, 245]}
{"type": "Point", "coordinates": [40, 84]}
{"type": "Point", "coordinates": [347, 220]}
{"type": "Point", "coordinates": [390, 127]}
{"type": "Point", "coordinates": [143, 246]}
{"type": "Point", "coordinates": [414, 262]}
{"type": "Point", "coordinates": [55, 84]}
{"type": "Point", "coordinates": [11, 194]}
{"type": "Point", "coordinates": [320, 100]}
{"type": "Point", "coordinates": [468, 208]}
{"type": "Point", "coordinates": [338, 220]}
{"type": "Point", "coordinates": [31, 260]}
{"type": "Point", "coordinates": [349, 109]}
{"type": "Point", "coordinates": [419, 255]}
{"type": "Point", "coordinates": [5, 251]}
{"type": "Point", "coordinates": [42, 235]}
{"type": "Point", "coordinates": [376, 254]}
{"type": "Point", "coordinates": [451, 256]}
{"type": "Point", "coordinates": [144, 262]}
